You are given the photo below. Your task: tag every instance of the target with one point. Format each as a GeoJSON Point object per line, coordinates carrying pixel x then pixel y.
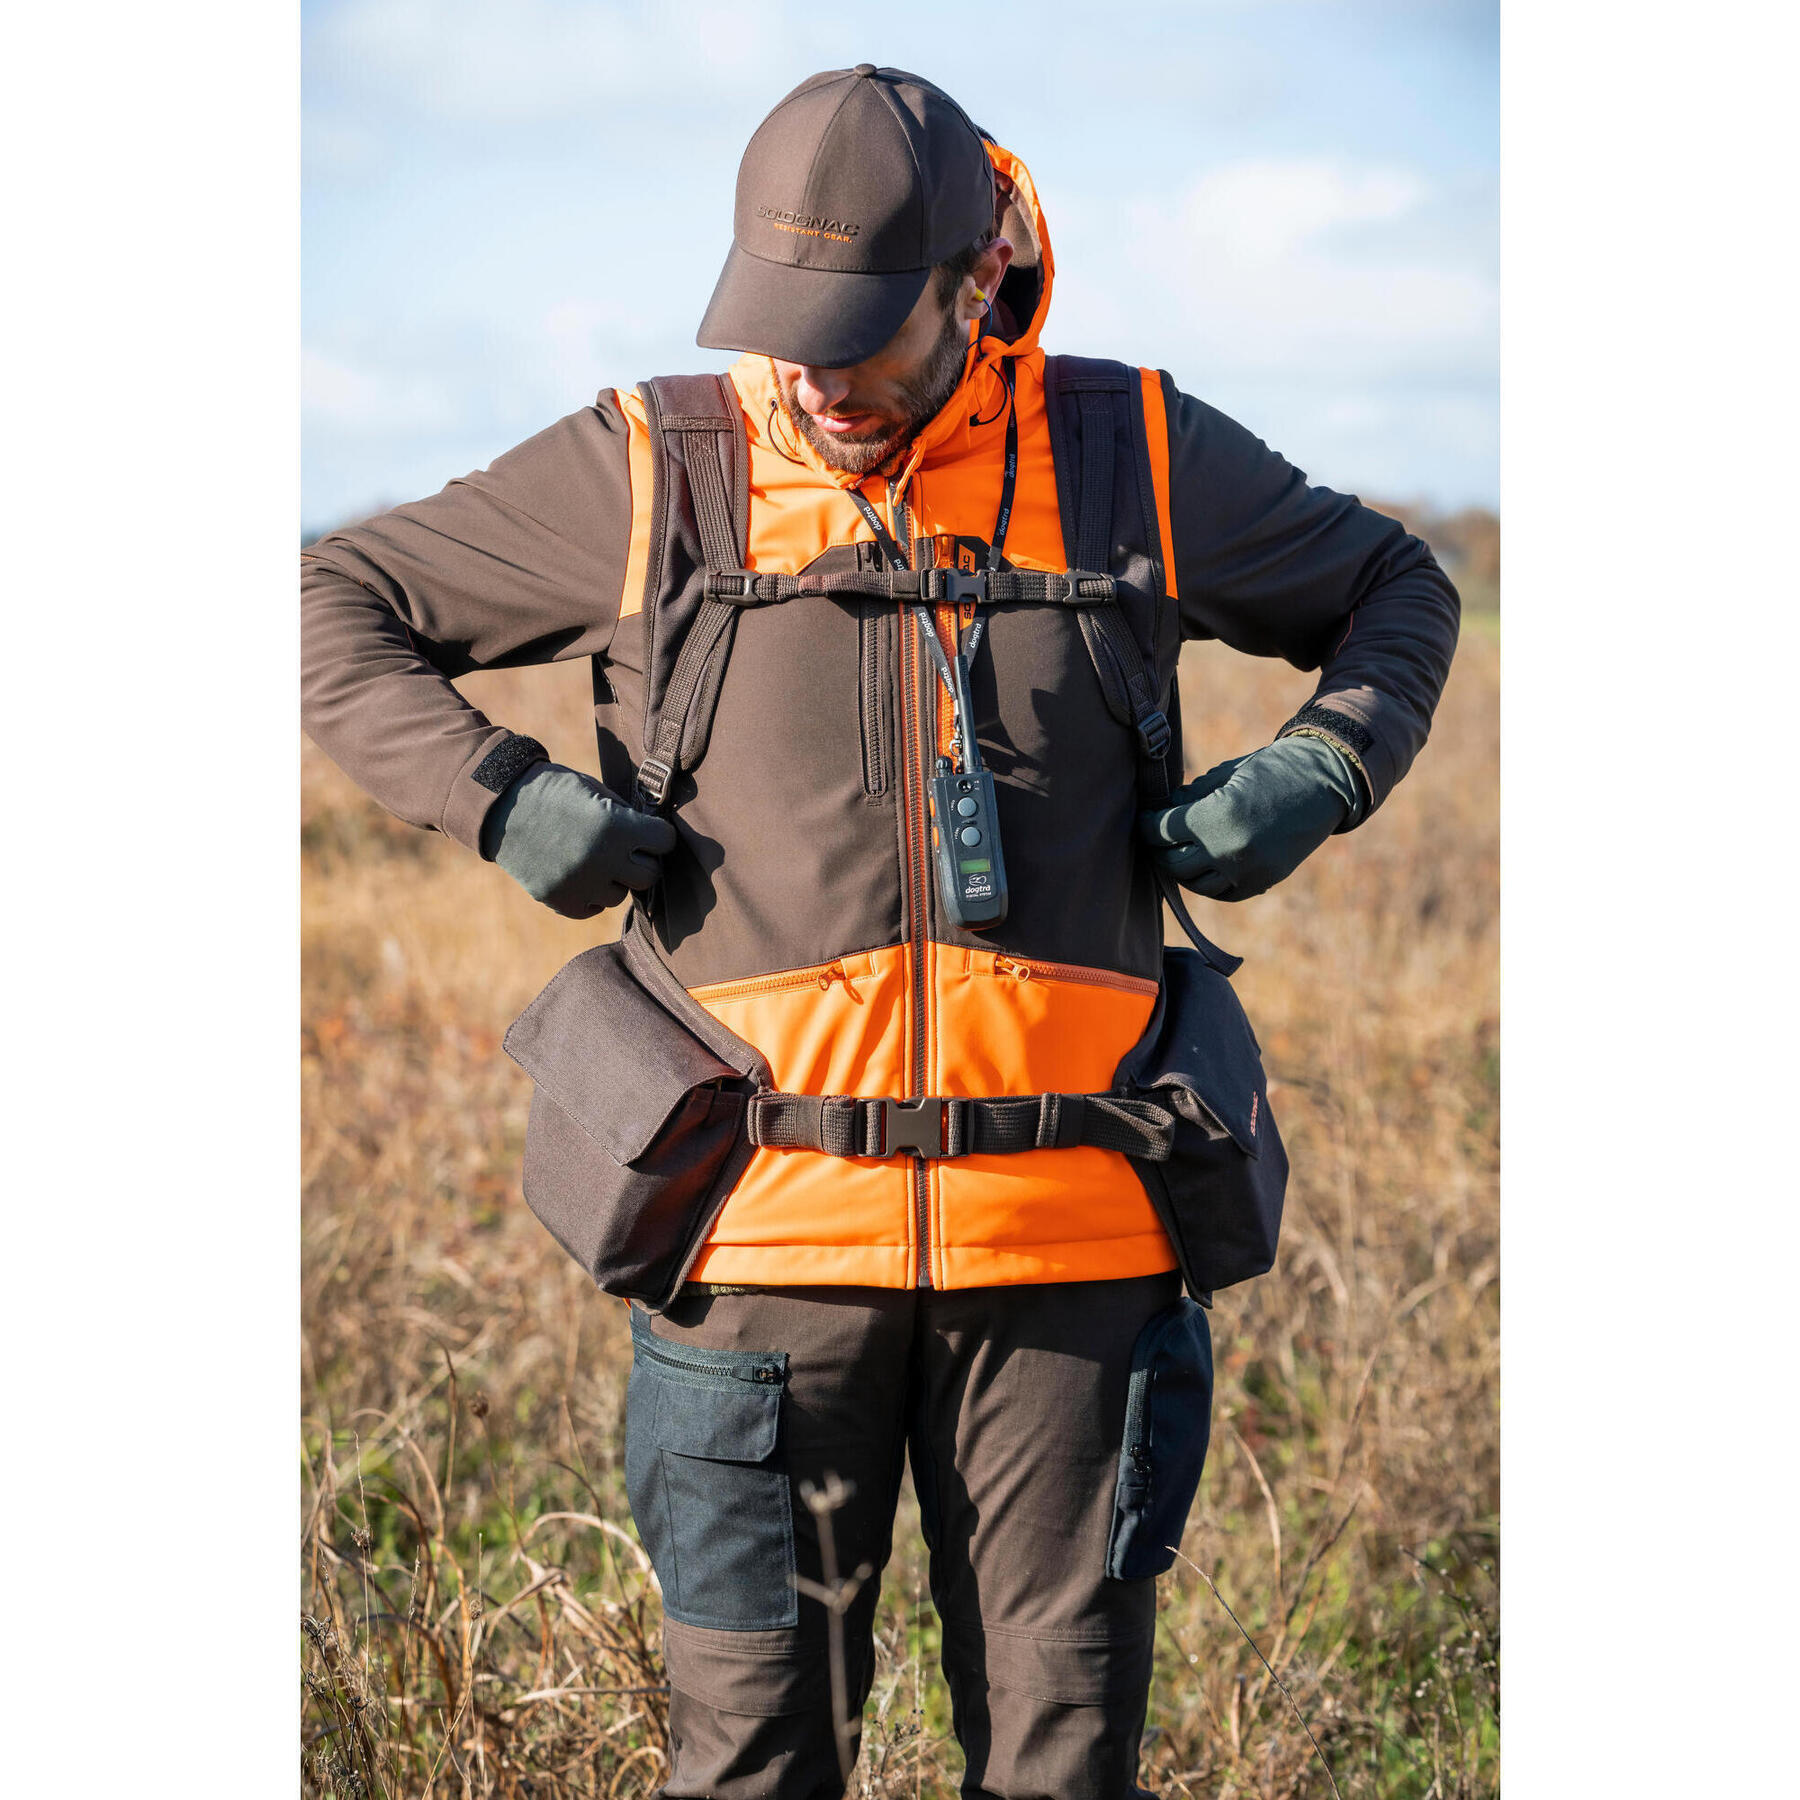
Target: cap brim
{"type": "Point", "coordinates": [826, 318]}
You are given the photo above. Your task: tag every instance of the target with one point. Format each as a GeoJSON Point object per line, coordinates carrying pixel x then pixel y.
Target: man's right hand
{"type": "Point", "coordinates": [572, 843]}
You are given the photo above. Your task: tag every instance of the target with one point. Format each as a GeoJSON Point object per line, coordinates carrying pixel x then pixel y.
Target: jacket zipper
{"type": "Point", "coordinates": [1021, 970]}
{"type": "Point", "coordinates": [918, 868]}
{"type": "Point", "coordinates": [820, 975]}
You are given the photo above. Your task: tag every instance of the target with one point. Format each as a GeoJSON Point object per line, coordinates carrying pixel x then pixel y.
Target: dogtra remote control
{"type": "Point", "coordinates": [965, 833]}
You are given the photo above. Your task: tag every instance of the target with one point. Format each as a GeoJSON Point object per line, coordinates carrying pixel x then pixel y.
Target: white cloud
{"type": "Point", "coordinates": [360, 402]}
{"type": "Point", "coordinates": [534, 59]}
{"type": "Point", "coordinates": [1312, 265]}
{"type": "Point", "coordinates": [1272, 208]}
{"type": "Point", "coordinates": [339, 147]}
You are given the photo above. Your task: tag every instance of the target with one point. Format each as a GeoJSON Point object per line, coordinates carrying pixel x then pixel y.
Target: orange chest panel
{"type": "Point", "coordinates": [795, 517]}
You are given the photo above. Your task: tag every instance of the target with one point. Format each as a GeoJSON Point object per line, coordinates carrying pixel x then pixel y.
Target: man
{"type": "Point", "coordinates": [850, 1306]}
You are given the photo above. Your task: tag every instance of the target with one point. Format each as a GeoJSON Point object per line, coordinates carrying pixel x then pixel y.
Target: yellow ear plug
{"type": "Point", "coordinates": [979, 295]}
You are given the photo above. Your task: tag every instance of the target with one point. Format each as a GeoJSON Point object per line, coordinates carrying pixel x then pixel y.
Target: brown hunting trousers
{"type": "Point", "coordinates": [1011, 1403]}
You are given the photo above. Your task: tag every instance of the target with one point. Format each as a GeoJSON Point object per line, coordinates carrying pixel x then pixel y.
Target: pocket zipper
{"type": "Point", "coordinates": [874, 700]}
{"type": "Point", "coordinates": [1021, 970]}
{"type": "Point", "coordinates": [820, 975]}
{"type": "Point", "coordinates": [1137, 1390]}
{"type": "Point", "coordinates": [763, 1372]}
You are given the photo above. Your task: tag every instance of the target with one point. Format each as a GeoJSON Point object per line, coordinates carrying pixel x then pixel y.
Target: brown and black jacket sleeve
{"type": "Point", "coordinates": [1275, 567]}
{"type": "Point", "coordinates": [523, 562]}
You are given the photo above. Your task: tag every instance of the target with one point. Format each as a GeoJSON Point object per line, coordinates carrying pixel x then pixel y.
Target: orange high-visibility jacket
{"type": "Point", "coordinates": [799, 906]}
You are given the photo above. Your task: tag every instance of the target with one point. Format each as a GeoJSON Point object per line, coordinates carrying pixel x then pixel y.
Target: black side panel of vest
{"type": "Point", "coordinates": [1133, 540]}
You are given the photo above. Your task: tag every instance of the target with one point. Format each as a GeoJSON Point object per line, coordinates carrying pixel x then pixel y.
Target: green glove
{"type": "Point", "coordinates": [572, 843]}
{"type": "Point", "coordinates": [1251, 822]}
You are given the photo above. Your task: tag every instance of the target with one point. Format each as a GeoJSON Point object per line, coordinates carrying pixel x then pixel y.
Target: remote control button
{"type": "Point", "coordinates": [968, 808]}
{"type": "Point", "coordinates": [969, 835]}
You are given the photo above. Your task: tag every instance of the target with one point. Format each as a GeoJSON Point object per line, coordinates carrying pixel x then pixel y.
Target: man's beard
{"type": "Point", "coordinates": [922, 394]}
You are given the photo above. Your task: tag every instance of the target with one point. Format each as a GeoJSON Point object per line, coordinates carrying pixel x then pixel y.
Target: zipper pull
{"type": "Point", "coordinates": [1010, 965]}
{"type": "Point", "coordinates": [837, 972]}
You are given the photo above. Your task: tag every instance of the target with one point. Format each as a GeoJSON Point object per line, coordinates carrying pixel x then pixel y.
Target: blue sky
{"type": "Point", "coordinates": [1293, 207]}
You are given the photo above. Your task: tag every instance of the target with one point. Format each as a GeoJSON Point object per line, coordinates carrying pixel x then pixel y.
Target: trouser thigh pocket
{"type": "Point", "coordinates": [708, 1483]}
{"type": "Point", "coordinates": [1168, 1422]}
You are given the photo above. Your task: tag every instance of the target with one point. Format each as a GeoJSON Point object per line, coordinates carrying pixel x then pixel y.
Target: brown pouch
{"type": "Point", "coordinates": [637, 1130]}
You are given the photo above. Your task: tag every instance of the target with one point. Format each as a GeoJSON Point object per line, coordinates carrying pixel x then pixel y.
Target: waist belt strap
{"type": "Point", "coordinates": [941, 1127]}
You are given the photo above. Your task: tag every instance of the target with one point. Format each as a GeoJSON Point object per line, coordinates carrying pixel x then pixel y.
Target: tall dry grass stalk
{"type": "Point", "coordinates": [479, 1618]}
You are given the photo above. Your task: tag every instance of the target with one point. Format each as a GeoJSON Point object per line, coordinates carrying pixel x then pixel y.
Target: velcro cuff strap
{"type": "Point", "coordinates": [506, 762]}
{"type": "Point", "coordinates": [1332, 723]}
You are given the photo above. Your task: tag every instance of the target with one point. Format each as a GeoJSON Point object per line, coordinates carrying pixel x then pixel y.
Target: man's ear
{"type": "Point", "coordinates": [984, 280]}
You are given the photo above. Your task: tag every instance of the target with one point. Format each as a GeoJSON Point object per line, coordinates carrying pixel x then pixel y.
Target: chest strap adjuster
{"type": "Point", "coordinates": [652, 783]}
{"type": "Point", "coordinates": [748, 587]}
{"type": "Point", "coordinates": [953, 587]}
{"type": "Point", "coordinates": [1154, 732]}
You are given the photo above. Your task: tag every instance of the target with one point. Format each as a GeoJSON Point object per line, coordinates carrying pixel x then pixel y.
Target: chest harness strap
{"type": "Point", "coordinates": [678, 727]}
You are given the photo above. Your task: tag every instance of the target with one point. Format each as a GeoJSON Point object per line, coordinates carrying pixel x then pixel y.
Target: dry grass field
{"type": "Point", "coordinates": [478, 1620]}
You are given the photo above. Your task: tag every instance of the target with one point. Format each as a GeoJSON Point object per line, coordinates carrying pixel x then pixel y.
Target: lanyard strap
{"type": "Point", "coordinates": [1011, 475]}
{"type": "Point", "coordinates": [1008, 480]}
{"type": "Point", "coordinates": [972, 638]}
{"type": "Point", "coordinates": [885, 538]}
{"type": "Point", "coordinates": [955, 675]}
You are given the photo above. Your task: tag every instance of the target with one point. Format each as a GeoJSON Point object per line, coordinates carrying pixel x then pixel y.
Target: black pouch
{"type": "Point", "coordinates": [1168, 1423]}
{"type": "Point", "coordinates": [637, 1131]}
{"type": "Point", "coordinates": [706, 1476]}
{"type": "Point", "coordinates": [1220, 1193]}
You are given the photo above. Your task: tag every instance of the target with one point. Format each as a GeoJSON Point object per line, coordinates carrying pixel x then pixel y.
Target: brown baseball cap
{"type": "Point", "coordinates": [851, 191]}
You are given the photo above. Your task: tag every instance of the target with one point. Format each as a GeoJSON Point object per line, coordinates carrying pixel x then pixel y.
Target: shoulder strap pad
{"type": "Point", "coordinates": [700, 506]}
{"type": "Point", "coordinates": [1108, 506]}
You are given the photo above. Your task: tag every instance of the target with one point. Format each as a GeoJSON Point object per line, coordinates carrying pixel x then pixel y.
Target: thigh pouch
{"type": "Point", "coordinates": [1168, 1422]}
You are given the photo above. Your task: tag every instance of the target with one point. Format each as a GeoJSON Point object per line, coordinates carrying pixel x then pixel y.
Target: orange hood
{"type": "Point", "coordinates": [1010, 330]}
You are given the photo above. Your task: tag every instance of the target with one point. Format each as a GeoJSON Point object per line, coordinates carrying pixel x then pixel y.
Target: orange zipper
{"type": "Point", "coordinates": [1021, 970]}
{"type": "Point", "coordinates": [820, 975]}
{"type": "Point", "coordinates": [913, 759]}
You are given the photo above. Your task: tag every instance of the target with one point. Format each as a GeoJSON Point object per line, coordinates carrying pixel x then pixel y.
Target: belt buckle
{"type": "Point", "coordinates": [915, 1125]}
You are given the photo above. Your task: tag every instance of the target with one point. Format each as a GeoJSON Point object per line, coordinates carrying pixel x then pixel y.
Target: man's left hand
{"type": "Point", "coordinates": [1251, 822]}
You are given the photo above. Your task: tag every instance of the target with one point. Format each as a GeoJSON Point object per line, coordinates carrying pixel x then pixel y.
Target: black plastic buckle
{"type": "Point", "coordinates": [749, 587]}
{"type": "Point", "coordinates": [1073, 596]}
{"type": "Point", "coordinates": [915, 1125]}
{"type": "Point", "coordinates": [951, 587]}
{"type": "Point", "coordinates": [1154, 732]}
